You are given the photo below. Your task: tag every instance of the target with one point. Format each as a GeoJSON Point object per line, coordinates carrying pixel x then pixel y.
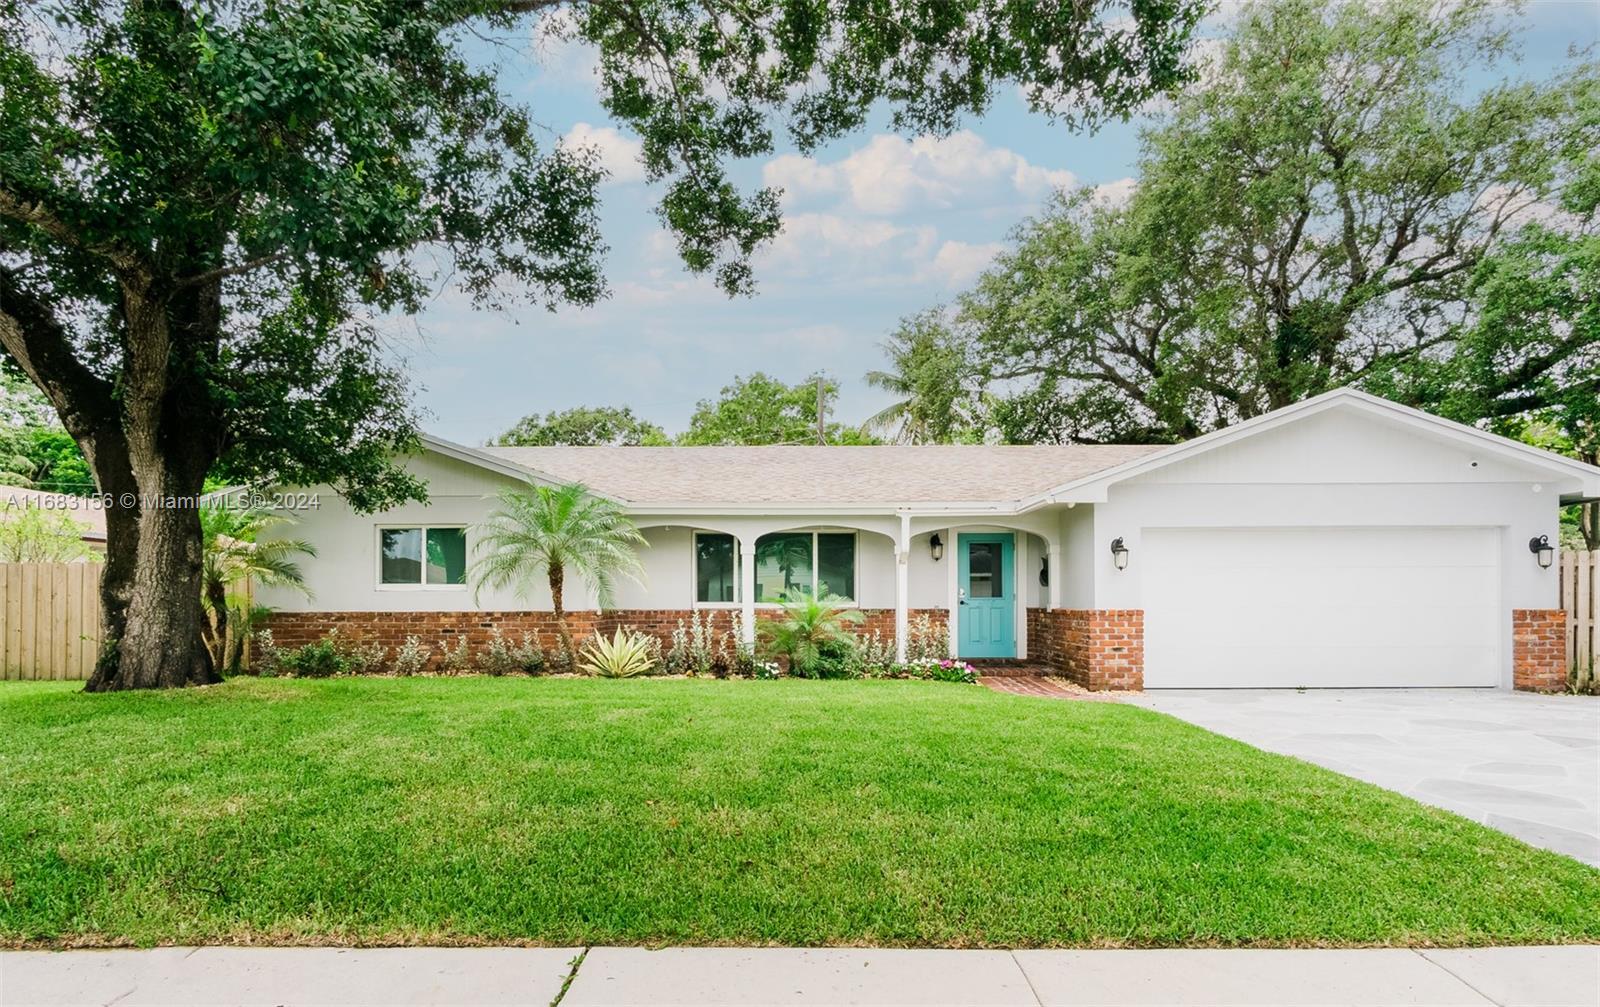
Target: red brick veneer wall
{"type": "Point", "coordinates": [1099, 649]}
{"type": "Point", "coordinates": [294, 629]}
{"type": "Point", "coordinates": [1539, 649]}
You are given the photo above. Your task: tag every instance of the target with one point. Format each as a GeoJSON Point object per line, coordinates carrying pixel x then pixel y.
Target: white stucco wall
{"type": "Point", "coordinates": [1335, 469]}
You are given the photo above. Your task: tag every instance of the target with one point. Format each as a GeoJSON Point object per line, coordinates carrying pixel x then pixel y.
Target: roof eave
{"type": "Point", "coordinates": [502, 466]}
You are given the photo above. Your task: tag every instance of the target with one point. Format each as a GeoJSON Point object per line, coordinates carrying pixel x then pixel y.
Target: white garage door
{"type": "Point", "coordinates": [1321, 607]}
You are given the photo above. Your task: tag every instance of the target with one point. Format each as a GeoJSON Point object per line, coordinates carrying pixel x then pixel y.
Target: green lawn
{"type": "Point", "coordinates": [606, 812]}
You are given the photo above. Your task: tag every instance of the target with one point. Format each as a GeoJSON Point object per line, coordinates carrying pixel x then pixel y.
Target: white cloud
{"type": "Point", "coordinates": [619, 154]}
{"type": "Point", "coordinates": [1115, 193]}
{"type": "Point", "coordinates": [892, 175]}
{"type": "Point", "coordinates": [561, 55]}
{"type": "Point", "coordinates": [958, 263]}
{"type": "Point", "coordinates": [817, 246]}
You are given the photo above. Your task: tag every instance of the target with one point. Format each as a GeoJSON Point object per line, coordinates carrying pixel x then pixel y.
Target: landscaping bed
{"type": "Point", "coordinates": [570, 812]}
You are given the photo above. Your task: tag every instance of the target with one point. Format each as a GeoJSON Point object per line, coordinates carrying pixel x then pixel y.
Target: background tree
{"type": "Point", "coordinates": [928, 376]}
{"type": "Point", "coordinates": [1530, 358]}
{"type": "Point", "coordinates": [1312, 215]}
{"type": "Point", "coordinates": [235, 556]}
{"type": "Point", "coordinates": [761, 409]}
{"type": "Point", "coordinates": [584, 426]}
{"type": "Point", "coordinates": [554, 531]}
{"type": "Point", "coordinates": [201, 205]}
{"type": "Point", "coordinates": [34, 534]}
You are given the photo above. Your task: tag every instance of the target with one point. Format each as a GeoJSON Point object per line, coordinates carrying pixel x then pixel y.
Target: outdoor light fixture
{"type": "Point", "coordinates": [1044, 571]}
{"type": "Point", "coordinates": [1540, 546]}
{"type": "Point", "coordinates": [1119, 553]}
{"type": "Point", "coordinates": [936, 546]}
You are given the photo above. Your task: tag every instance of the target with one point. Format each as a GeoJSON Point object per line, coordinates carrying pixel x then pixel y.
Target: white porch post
{"type": "Point", "coordinates": [902, 582]}
{"type": "Point", "coordinates": [747, 588]}
{"type": "Point", "coordinates": [1053, 553]}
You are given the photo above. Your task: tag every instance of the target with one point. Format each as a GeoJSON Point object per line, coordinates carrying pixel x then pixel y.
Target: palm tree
{"type": "Point", "coordinates": [928, 370]}
{"type": "Point", "coordinates": [556, 530]}
{"type": "Point", "coordinates": [807, 627]}
{"type": "Point", "coordinates": [233, 554]}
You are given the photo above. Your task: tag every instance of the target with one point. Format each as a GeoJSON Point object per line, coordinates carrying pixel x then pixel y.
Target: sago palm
{"type": "Point", "coordinates": [233, 555]}
{"type": "Point", "coordinates": [556, 530]}
{"type": "Point", "coordinates": [806, 628]}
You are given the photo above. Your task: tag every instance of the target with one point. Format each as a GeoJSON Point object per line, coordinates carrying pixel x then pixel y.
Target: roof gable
{"type": "Point", "coordinates": [1332, 451]}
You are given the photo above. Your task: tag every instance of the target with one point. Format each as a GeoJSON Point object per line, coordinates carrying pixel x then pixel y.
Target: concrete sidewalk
{"type": "Point", "coordinates": [574, 977]}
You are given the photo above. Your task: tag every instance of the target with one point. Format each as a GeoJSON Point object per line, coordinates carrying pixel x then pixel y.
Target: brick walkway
{"type": "Point", "coordinates": [1047, 686]}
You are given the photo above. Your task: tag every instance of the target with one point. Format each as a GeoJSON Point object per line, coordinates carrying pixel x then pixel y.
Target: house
{"type": "Point", "coordinates": [1342, 541]}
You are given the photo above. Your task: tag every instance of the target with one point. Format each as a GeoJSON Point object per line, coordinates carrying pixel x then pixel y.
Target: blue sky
{"type": "Point", "coordinates": [877, 226]}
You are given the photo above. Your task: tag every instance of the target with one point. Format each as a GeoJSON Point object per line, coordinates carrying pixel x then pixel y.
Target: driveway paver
{"type": "Point", "coordinates": [1521, 763]}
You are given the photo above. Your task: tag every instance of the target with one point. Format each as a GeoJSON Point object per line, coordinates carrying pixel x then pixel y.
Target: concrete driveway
{"type": "Point", "coordinates": [1524, 764]}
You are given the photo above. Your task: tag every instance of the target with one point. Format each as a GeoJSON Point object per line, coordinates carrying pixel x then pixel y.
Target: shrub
{"type": "Point", "coordinates": [806, 626]}
{"type": "Point", "coordinates": [694, 650]}
{"type": "Point", "coordinates": [411, 658]}
{"type": "Point", "coordinates": [455, 660]}
{"type": "Point", "coordinates": [320, 659]}
{"type": "Point", "coordinates": [765, 669]}
{"type": "Point", "coordinates": [836, 658]}
{"type": "Point", "coordinates": [927, 639]}
{"type": "Point", "coordinates": [874, 656]}
{"type": "Point", "coordinates": [363, 658]}
{"type": "Point", "coordinates": [266, 659]}
{"type": "Point", "coordinates": [626, 655]}
{"type": "Point", "coordinates": [502, 657]}
{"type": "Point", "coordinates": [739, 655]}
{"type": "Point", "coordinates": [953, 671]}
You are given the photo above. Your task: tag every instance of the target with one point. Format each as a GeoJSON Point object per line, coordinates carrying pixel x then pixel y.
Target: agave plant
{"type": "Point", "coordinates": [625, 655]}
{"type": "Point", "coordinates": [808, 627]}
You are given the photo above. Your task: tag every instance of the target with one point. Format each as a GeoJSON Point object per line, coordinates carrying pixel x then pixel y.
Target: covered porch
{"type": "Point", "coordinates": [985, 577]}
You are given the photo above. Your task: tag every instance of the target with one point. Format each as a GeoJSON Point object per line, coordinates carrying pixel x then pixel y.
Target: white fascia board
{"type": "Point", "coordinates": [493, 463]}
{"type": "Point", "coordinates": [1093, 488]}
{"type": "Point", "coordinates": [842, 509]}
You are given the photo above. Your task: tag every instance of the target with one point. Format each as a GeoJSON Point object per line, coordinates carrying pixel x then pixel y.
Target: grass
{"type": "Point", "coordinates": [576, 812]}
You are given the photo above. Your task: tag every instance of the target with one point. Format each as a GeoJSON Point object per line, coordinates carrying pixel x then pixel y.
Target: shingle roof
{"type": "Point", "coordinates": [823, 475]}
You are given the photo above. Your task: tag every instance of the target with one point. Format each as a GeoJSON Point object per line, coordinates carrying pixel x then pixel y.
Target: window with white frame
{"type": "Point", "coordinates": [422, 556]}
{"type": "Point", "coordinates": [789, 566]}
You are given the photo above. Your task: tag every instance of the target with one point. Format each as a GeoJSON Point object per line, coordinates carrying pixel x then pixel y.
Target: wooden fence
{"type": "Point", "coordinates": [49, 620]}
{"type": "Point", "coordinates": [1580, 596]}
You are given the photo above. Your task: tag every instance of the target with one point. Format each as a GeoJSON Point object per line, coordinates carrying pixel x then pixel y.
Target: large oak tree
{"type": "Point", "coordinates": [202, 203]}
{"type": "Point", "coordinates": [1317, 211]}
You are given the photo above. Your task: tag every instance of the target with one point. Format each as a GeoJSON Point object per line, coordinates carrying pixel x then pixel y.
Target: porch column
{"type": "Point", "coordinates": [747, 588]}
{"type": "Point", "coordinates": [902, 581]}
{"type": "Point", "coordinates": [1053, 557]}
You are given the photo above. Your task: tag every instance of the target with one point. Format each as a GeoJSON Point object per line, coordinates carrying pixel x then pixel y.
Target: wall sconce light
{"type": "Point", "coordinates": [936, 546]}
{"type": "Point", "coordinates": [1540, 546]}
{"type": "Point", "coordinates": [1119, 553]}
{"type": "Point", "coordinates": [1044, 571]}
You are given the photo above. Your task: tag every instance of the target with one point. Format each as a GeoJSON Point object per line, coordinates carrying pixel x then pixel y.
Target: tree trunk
{"type": "Point", "coordinates": [107, 454]}
{"type": "Point", "coordinates": [162, 646]}
{"type": "Point", "coordinates": [170, 438]}
{"type": "Point", "coordinates": [558, 576]}
{"type": "Point", "coordinates": [214, 631]}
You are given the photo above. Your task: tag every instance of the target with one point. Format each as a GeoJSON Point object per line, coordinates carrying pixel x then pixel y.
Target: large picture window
{"type": "Point", "coordinates": [789, 566]}
{"type": "Point", "coordinates": [422, 557]}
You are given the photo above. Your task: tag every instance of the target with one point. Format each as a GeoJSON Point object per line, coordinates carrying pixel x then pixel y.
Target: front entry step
{"type": "Point", "coordinates": [1004, 667]}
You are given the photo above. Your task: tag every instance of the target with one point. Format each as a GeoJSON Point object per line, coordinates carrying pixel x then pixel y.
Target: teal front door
{"type": "Point", "coordinates": [986, 616]}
